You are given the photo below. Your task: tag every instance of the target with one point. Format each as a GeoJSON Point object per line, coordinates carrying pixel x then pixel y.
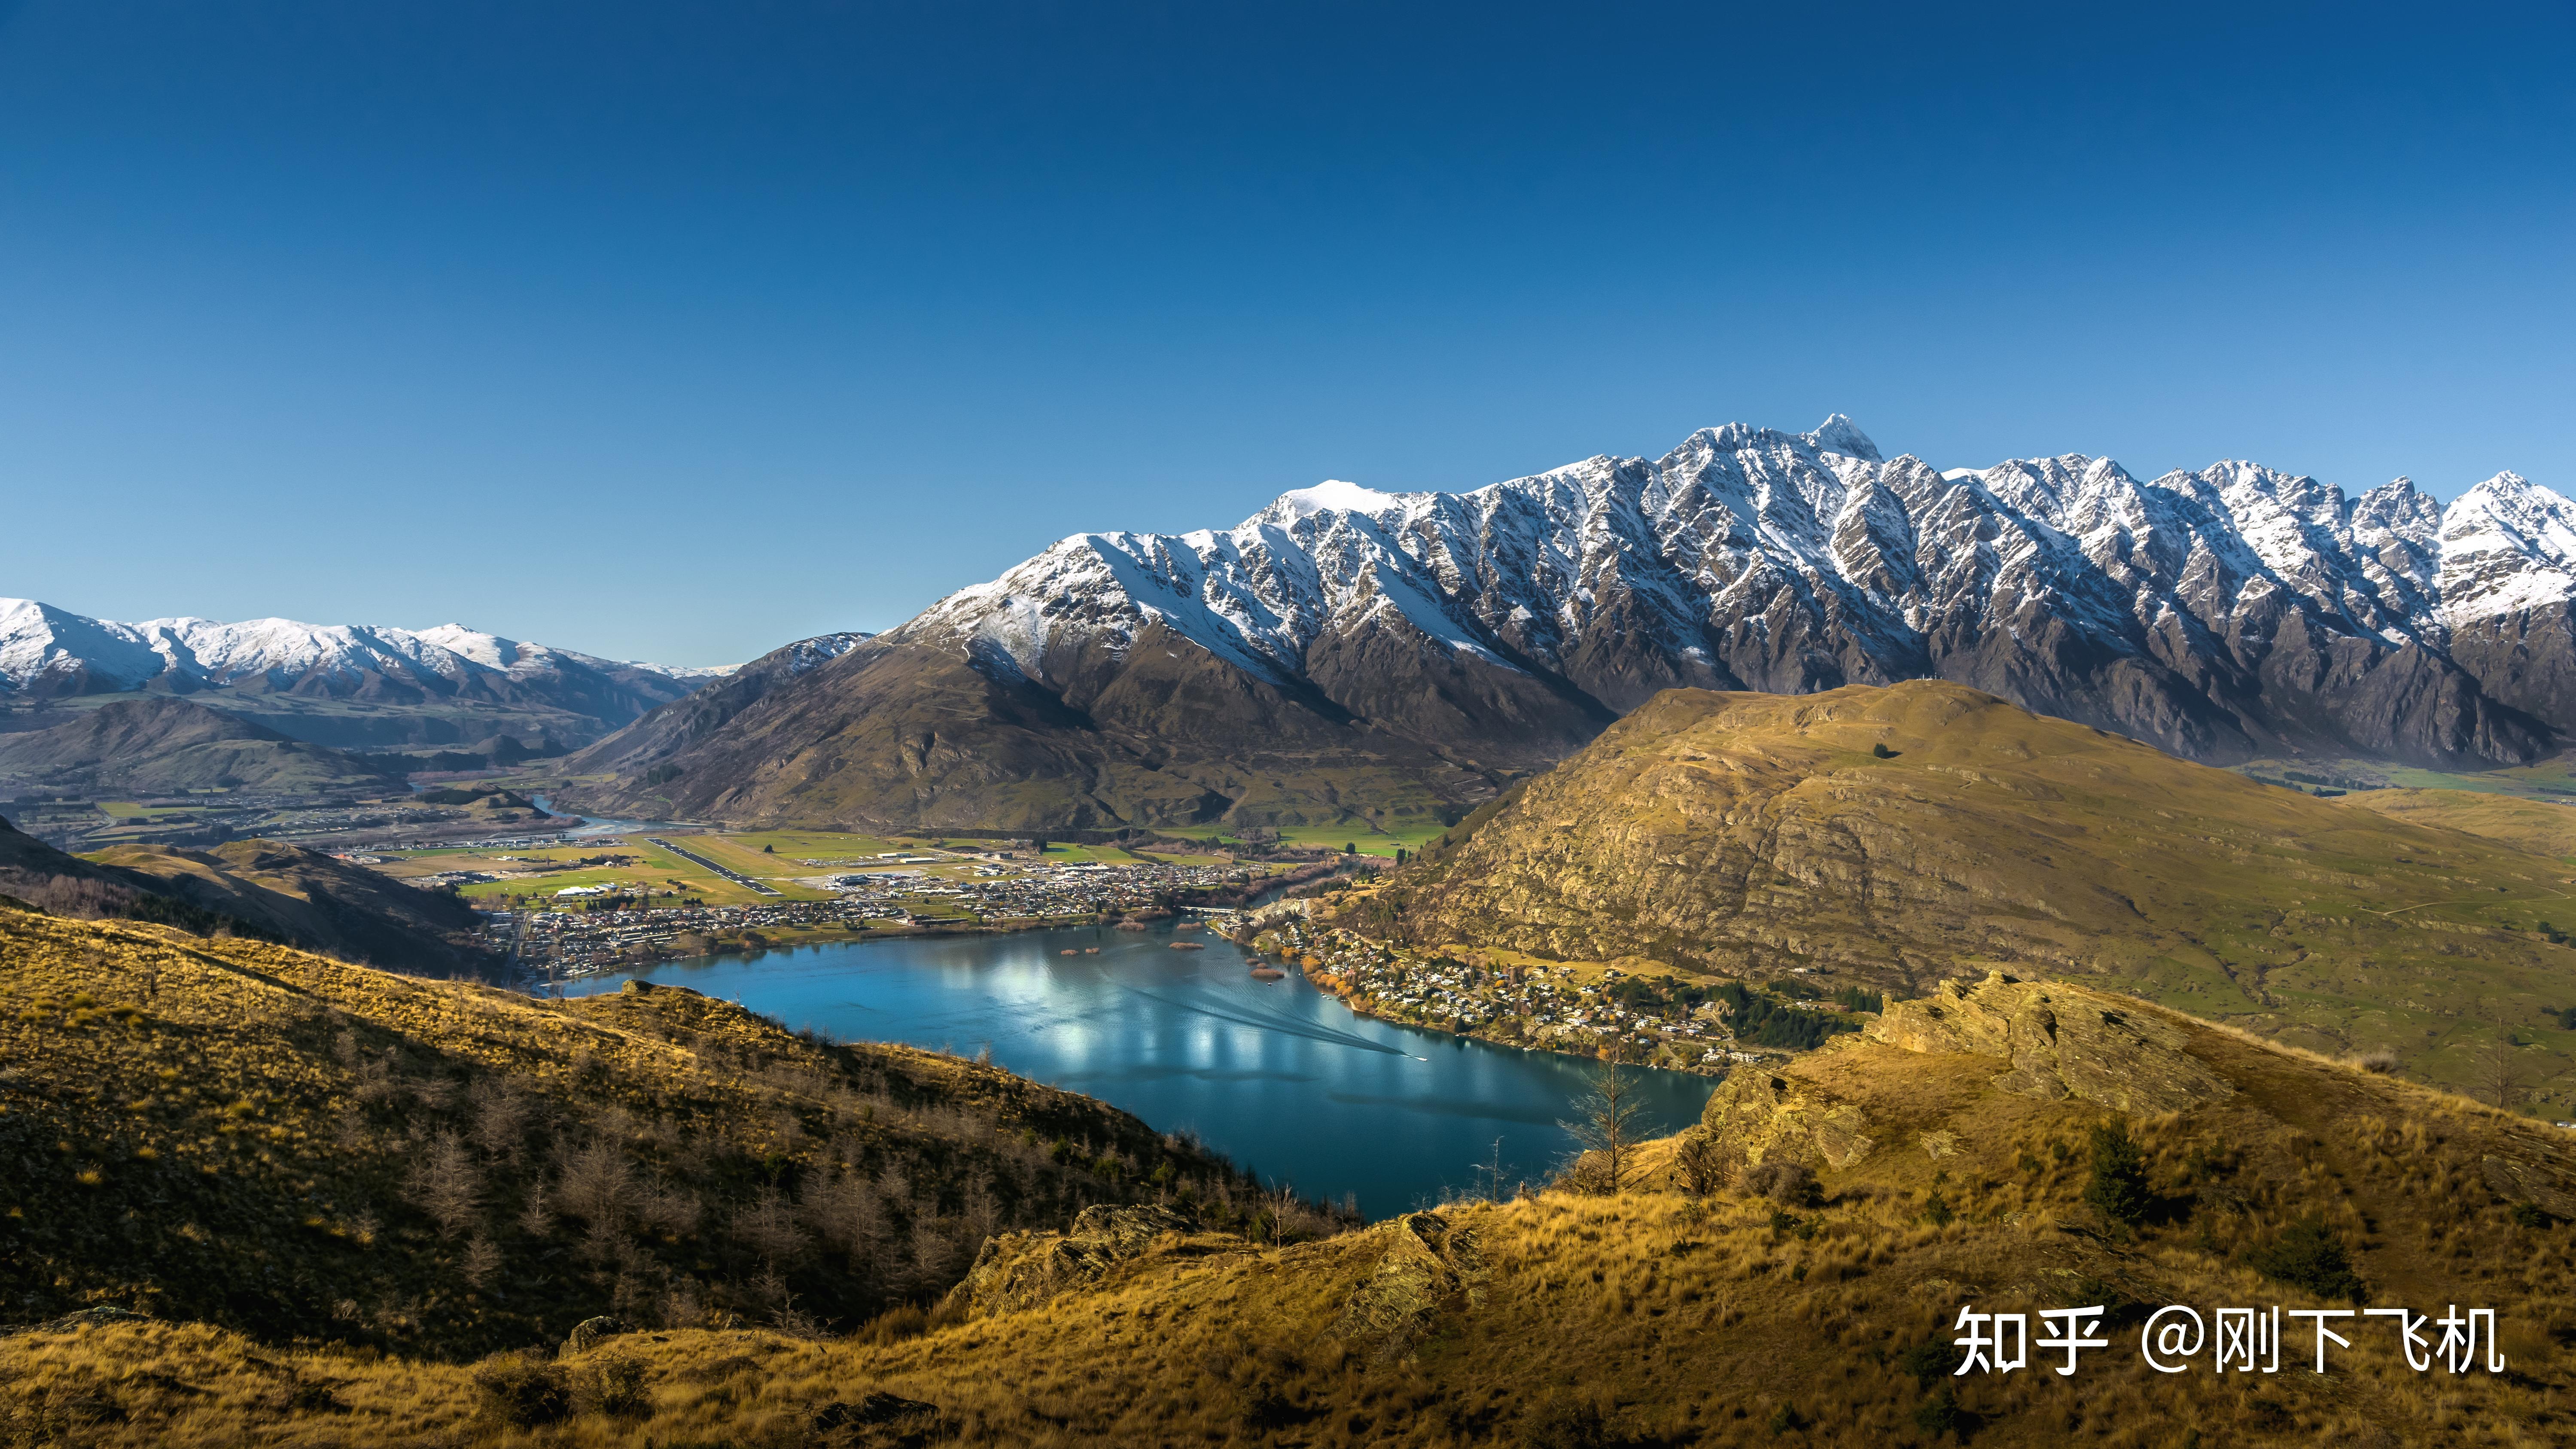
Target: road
{"type": "Point", "coordinates": [693, 858]}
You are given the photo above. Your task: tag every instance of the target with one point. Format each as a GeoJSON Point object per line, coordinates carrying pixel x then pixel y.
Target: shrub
{"type": "Point", "coordinates": [610, 1384]}
{"type": "Point", "coordinates": [1929, 1360]}
{"type": "Point", "coordinates": [2119, 1186]}
{"type": "Point", "coordinates": [2381, 1060]}
{"type": "Point", "coordinates": [2120, 1309]}
{"type": "Point", "coordinates": [1699, 1164]}
{"type": "Point", "coordinates": [2531, 1215]}
{"type": "Point", "coordinates": [2308, 1254]}
{"type": "Point", "coordinates": [520, 1391]}
{"type": "Point", "coordinates": [1562, 1421]}
{"type": "Point", "coordinates": [1790, 1184]}
{"type": "Point", "coordinates": [1938, 1414]}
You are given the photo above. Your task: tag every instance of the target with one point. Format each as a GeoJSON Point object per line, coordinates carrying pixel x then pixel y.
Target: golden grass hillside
{"type": "Point", "coordinates": [2540, 827]}
{"type": "Point", "coordinates": [1769, 1311]}
{"type": "Point", "coordinates": [1891, 837]}
{"type": "Point", "coordinates": [312, 900]}
{"type": "Point", "coordinates": [301, 1149]}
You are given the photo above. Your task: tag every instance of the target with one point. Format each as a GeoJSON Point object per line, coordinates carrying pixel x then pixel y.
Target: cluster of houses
{"type": "Point", "coordinates": [1521, 1004]}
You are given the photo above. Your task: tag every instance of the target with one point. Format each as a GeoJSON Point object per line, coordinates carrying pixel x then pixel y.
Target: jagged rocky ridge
{"type": "Point", "coordinates": [2224, 614]}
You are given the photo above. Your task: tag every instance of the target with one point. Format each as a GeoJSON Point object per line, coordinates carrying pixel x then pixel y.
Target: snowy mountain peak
{"type": "Point", "coordinates": [1839, 434]}
{"type": "Point", "coordinates": [1332, 493]}
{"type": "Point", "coordinates": [2507, 545]}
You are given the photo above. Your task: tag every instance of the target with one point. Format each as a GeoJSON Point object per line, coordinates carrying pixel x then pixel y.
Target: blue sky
{"type": "Point", "coordinates": [677, 331]}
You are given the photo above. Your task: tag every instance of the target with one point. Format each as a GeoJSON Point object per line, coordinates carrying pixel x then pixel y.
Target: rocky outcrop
{"type": "Point", "coordinates": [590, 1333]}
{"type": "Point", "coordinates": [1756, 1116]}
{"type": "Point", "coordinates": [2061, 1042]}
{"type": "Point", "coordinates": [1023, 1270]}
{"type": "Point", "coordinates": [2546, 1186]}
{"type": "Point", "coordinates": [2056, 1042]}
{"type": "Point", "coordinates": [1430, 1267]}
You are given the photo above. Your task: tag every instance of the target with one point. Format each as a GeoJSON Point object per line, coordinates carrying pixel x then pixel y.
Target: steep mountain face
{"type": "Point", "coordinates": [1757, 835]}
{"type": "Point", "coordinates": [668, 728]}
{"type": "Point", "coordinates": [49, 653]}
{"type": "Point", "coordinates": [2224, 614]}
{"type": "Point", "coordinates": [157, 745]}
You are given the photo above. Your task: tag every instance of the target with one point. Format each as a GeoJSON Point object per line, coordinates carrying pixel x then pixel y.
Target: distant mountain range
{"type": "Point", "coordinates": [338, 684]}
{"type": "Point", "coordinates": [1412, 652]}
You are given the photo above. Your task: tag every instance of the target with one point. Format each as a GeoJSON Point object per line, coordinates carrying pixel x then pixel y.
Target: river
{"type": "Point", "coordinates": [1278, 1075]}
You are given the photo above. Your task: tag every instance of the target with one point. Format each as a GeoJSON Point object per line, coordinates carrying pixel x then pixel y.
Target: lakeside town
{"type": "Point", "coordinates": [1601, 1012]}
{"type": "Point", "coordinates": [592, 929]}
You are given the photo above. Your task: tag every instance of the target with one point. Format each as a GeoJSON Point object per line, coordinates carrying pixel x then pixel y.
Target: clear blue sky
{"type": "Point", "coordinates": [676, 331]}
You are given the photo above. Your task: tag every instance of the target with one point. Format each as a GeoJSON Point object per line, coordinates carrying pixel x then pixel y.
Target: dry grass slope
{"type": "Point", "coordinates": [2539, 826]}
{"type": "Point", "coordinates": [1639, 1317]}
{"type": "Point", "coordinates": [1892, 837]}
{"type": "Point", "coordinates": [305, 1150]}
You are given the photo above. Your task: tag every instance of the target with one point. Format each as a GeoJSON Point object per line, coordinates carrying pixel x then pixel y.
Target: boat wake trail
{"type": "Point", "coordinates": [1279, 1022]}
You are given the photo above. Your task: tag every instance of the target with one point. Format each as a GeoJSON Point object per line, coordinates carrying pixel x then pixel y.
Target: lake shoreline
{"type": "Point", "coordinates": [1279, 1075]}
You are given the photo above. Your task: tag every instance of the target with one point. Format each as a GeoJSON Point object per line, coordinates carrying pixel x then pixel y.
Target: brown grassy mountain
{"type": "Point", "coordinates": [254, 887]}
{"type": "Point", "coordinates": [321, 904]}
{"type": "Point", "coordinates": [1953, 1156]}
{"type": "Point", "coordinates": [302, 1149]}
{"type": "Point", "coordinates": [1755, 835]}
{"type": "Point", "coordinates": [902, 734]}
{"type": "Point", "coordinates": [157, 745]}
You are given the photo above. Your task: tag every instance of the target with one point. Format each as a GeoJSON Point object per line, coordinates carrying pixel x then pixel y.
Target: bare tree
{"type": "Point", "coordinates": [443, 1182]}
{"type": "Point", "coordinates": [536, 1219]}
{"type": "Point", "coordinates": [1607, 1124]}
{"type": "Point", "coordinates": [2504, 1076]}
{"type": "Point", "coordinates": [1281, 1202]}
{"type": "Point", "coordinates": [480, 1262]}
{"type": "Point", "coordinates": [500, 1118]}
{"type": "Point", "coordinates": [597, 1184]}
{"type": "Point", "coordinates": [768, 1227]}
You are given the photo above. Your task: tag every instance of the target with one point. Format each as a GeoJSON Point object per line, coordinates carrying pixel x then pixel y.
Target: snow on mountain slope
{"type": "Point", "coordinates": [2225, 612]}
{"type": "Point", "coordinates": [2506, 546]}
{"type": "Point", "coordinates": [45, 651]}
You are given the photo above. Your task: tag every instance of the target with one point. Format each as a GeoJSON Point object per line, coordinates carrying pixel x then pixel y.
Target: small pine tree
{"type": "Point", "coordinates": [2119, 1186]}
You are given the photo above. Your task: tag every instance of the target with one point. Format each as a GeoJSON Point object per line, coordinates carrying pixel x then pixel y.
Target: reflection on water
{"type": "Point", "coordinates": [1277, 1075]}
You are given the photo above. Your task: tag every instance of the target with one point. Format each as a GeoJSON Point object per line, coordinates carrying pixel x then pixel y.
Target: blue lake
{"type": "Point", "coordinates": [1278, 1075]}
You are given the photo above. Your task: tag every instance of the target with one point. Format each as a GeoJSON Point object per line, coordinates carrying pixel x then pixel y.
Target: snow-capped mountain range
{"type": "Point", "coordinates": [45, 651]}
{"type": "Point", "coordinates": [337, 684]}
{"type": "Point", "coordinates": [2224, 613]}
{"type": "Point", "coordinates": [1416, 650]}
